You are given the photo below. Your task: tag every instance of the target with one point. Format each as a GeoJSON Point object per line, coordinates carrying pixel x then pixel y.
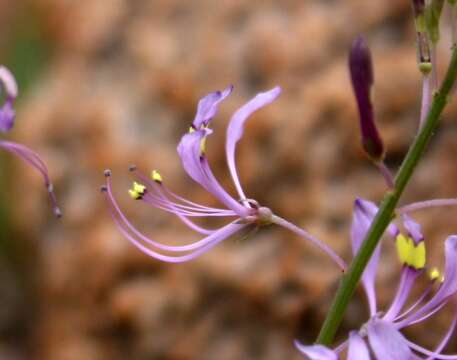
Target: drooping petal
{"type": "Point", "coordinates": [236, 127]}
{"type": "Point", "coordinates": [387, 342]}
{"type": "Point", "coordinates": [195, 163]}
{"type": "Point", "coordinates": [357, 350]}
{"type": "Point", "coordinates": [316, 352]}
{"type": "Point", "coordinates": [7, 113]}
{"type": "Point", "coordinates": [207, 107]}
{"type": "Point", "coordinates": [32, 158]}
{"type": "Point", "coordinates": [363, 215]}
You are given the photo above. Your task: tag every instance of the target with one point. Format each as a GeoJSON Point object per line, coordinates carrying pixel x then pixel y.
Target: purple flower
{"type": "Point", "coordinates": [244, 212]}
{"type": "Point", "coordinates": [381, 334]}
{"type": "Point", "coordinates": [7, 116]}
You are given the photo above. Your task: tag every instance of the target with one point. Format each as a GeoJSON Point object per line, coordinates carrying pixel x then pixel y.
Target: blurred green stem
{"type": "Point", "coordinates": [387, 208]}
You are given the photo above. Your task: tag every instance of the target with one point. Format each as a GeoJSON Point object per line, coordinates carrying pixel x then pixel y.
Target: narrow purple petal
{"type": "Point", "coordinates": [7, 113]}
{"type": "Point", "coordinates": [8, 82]}
{"type": "Point", "coordinates": [7, 116]}
{"type": "Point", "coordinates": [363, 215]}
{"type": "Point", "coordinates": [387, 342]}
{"type": "Point", "coordinates": [361, 69]}
{"type": "Point", "coordinates": [196, 165]}
{"type": "Point", "coordinates": [236, 127]}
{"type": "Point", "coordinates": [316, 352]}
{"type": "Point", "coordinates": [357, 350]}
{"type": "Point", "coordinates": [189, 150]}
{"type": "Point", "coordinates": [207, 107]}
{"type": "Point", "coordinates": [32, 158]}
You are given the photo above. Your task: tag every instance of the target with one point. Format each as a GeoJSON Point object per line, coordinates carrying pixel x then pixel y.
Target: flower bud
{"type": "Point", "coordinates": [433, 15]}
{"type": "Point", "coordinates": [361, 69]}
{"type": "Point", "coordinates": [422, 38]}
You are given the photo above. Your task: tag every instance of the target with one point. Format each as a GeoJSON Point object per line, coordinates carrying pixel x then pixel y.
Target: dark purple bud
{"type": "Point", "coordinates": [361, 69]}
{"type": "Point", "coordinates": [418, 7]}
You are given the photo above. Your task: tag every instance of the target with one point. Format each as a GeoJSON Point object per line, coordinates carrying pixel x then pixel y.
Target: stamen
{"type": "Point", "coordinates": [137, 191]}
{"type": "Point", "coordinates": [155, 175]}
{"type": "Point", "coordinates": [435, 274]}
{"type": "Point", "coordinates": [107, 173]}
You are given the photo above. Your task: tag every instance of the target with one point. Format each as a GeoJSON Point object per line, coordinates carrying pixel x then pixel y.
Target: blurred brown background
{"type": "Point", "coordinates": [105, 84]}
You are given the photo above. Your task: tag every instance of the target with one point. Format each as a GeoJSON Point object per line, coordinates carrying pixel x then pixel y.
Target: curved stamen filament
{"type": "Point", "coordinates": [408, 276]}
{"type": "Point", "coordinates": [126, 227]}
{"type": "Point", "coordinates": [432, 354]}
{"type": "Point", "coordinates": [414, 319]}
{"type": "Point", "coordinates": [194, 207]}
{"type": "Point", "coordinates": [416, 304]}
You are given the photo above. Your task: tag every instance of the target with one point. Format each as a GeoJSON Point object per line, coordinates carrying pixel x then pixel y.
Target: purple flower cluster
{"type": "Point", "coordinates": [381, 335]}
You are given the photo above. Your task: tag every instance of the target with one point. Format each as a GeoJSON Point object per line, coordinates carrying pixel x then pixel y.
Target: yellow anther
{"type": "Point", "coordinates": [137, 191]}
{"type": "Point", "coordinates": [191, 129]}
{"type": "Point", "coordinates": [409, 253]}
{"type": "Point", "coordinates": [203, 146]}
{"type": "Point", "coordinates": [134, 195]}
{"type": "Point", "coordinates": [155, 175]}
{"type": "Point", "coordinates": [434, 273]}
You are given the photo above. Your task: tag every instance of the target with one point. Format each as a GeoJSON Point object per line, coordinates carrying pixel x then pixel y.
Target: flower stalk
{"type": "Point", "coordinates": [387, 208]}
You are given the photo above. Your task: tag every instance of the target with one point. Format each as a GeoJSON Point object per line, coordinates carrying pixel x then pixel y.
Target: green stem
{"type": "Point", "coordinates": [387, 208]}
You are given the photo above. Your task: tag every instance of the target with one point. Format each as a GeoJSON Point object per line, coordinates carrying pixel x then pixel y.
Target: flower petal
{"type": "Point", "coordinates": [363, 215]}
{"type": "Point", "coordinates": [316, 352]}
{"type": "Point", "coordinates": [189, 150]}
{"type": "Point", "coordinates": [207, 107]}
{"type": "Point", "coordinates": [387, 342]}
{"type": "Point", "coordinates": [7, 113]}
{"type": "Point", "coordinates": [32, 158]}
{"type": "Point", "coordinates": [357, 350]}
{"type": "Point", "coordinates": [196, 165]}
{"type": "Point", "coordinates": [236, 127]}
